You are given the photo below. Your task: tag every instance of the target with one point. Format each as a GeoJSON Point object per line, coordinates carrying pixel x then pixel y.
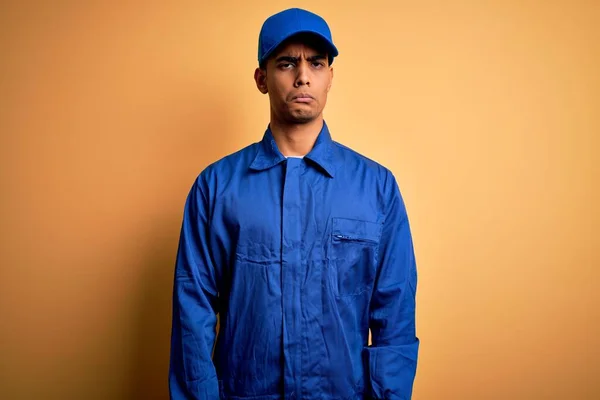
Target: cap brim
{"type": "Point", "coordinates": [332, 50]}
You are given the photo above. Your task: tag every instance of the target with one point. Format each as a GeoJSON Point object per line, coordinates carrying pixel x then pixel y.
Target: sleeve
{"type": "Point", "coordinates": [192, 374]}
{"type": "Point", "coordinates": [391, 359]}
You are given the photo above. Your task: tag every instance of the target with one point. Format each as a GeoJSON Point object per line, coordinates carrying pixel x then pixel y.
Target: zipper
{"type": "Point", "coordinates": [353, 238]}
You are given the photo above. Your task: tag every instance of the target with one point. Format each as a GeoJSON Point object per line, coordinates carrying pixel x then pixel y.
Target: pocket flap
{"type": "Point", "coordinates": [356, 229]}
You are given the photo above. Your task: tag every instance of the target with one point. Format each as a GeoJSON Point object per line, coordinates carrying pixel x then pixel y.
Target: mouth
{"type": "Point", "coordinates": [303, 98]}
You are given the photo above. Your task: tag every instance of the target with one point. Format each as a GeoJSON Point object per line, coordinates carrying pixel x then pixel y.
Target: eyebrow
{"type": "Point", "coordinates": [295, 59]}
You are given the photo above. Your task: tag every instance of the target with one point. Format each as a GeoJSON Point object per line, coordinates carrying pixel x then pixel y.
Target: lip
{"type": "Point", "coordinates": [303, 98]}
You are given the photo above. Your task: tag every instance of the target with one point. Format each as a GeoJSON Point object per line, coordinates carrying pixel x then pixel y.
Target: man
{"type": "Point", "coordinates": [300, 245]}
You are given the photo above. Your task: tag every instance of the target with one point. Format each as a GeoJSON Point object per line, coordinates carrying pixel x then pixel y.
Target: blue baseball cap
{"type": "Point", "coordinates": [285, 24]}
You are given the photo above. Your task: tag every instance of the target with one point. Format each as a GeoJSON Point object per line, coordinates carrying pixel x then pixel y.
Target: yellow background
{"type": "Point", "coordinates": [486, 111]}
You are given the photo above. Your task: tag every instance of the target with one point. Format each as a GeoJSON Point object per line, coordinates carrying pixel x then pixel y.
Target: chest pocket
{"type": "Point", "coordinates": [353, 255]}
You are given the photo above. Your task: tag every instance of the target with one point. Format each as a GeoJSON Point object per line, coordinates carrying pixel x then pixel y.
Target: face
{"type": "Point", "coordinates": [297, 79]}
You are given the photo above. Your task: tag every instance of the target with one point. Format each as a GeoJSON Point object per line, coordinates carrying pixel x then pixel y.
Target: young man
{"type": "Point", "coordinates": [301, 246]}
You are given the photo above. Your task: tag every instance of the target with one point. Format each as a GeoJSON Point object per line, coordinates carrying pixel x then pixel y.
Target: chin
{"type": "Point", "coordinates": [302, 119]}
{"type": "Point", "coordinates": [302, 116]}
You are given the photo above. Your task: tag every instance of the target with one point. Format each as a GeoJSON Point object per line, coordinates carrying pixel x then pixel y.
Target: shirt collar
{"type": "Point", "coordinates": [322, 153]}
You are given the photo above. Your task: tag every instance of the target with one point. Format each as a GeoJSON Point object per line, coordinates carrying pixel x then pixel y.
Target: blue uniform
{"type": "Point", "coordinates": [299, 258]}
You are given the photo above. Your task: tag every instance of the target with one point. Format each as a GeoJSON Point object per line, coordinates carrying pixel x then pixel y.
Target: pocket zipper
{"type": "Point", "coordinates": [353, 238]}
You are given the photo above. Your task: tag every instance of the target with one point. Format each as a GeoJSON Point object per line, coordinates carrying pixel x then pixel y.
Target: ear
{"type": "Point", "coordinates": [330, 78]}
{"type": "Point", "coordinates": [260, 77]}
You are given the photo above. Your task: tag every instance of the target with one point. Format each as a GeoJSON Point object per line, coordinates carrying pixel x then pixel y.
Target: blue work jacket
{"type": "Point", "coordinates": [299, 258]}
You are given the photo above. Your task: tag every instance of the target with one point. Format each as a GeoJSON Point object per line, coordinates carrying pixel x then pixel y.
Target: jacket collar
{"type": "Point", "coordinates": [322, 153]}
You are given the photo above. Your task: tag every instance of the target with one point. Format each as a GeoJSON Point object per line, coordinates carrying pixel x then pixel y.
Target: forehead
{"type": "Point", "coordinates": [297, 48]}
{"type": "Point", "coordinates": [302, 43]}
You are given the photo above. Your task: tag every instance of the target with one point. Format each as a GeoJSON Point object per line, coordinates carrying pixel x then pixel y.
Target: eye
{"type": "Point", "coordinates": [286, 65]}
{"type": "Point", "coordinates": [318, 64]}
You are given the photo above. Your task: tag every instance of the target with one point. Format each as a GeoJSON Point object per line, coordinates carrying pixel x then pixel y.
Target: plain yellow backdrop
{"type": "Point", "coordinates": [487, 112]}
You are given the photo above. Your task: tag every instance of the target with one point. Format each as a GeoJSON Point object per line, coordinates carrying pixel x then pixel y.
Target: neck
{"type": "Point", "coordinates": [296, 139]}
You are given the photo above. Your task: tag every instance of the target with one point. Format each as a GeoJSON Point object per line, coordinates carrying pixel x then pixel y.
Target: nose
{"type": "Point", "coordinates": [302, 77]}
